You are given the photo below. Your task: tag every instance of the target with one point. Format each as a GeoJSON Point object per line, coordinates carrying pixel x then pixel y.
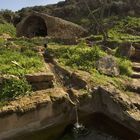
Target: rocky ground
{"type": "Point", "coordinates": [122, 107]}
{"type": "Point", "coordinates": [135, 84]}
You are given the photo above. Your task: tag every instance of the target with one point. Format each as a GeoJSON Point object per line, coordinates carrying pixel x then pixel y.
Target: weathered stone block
{"type": "Point", "coordinates": [39, 77]}
{"type": "Point", "coordinates": [42, 85]}
{"type": "Point", "coordinates": [108, 65]}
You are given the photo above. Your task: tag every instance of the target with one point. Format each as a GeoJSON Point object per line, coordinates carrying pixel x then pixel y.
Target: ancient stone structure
{"type": "Point", "coordinates": [45, 114]}
{"type": "Point", "coordinates": [38, 24]}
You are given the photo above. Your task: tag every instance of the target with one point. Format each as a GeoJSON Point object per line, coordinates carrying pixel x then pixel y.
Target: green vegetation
{"type": "Point", "coordinates": [125, 66]}
{"type": "Point", "coordinates": [13, 88]}
{"type": "Point", "coordinates": [19, 63]}
{"type": "Point", "coordinates": [17, 58]}
{"type": "Point", "coordinates": [126, 29]}
{"type": "Point", "coordinates": [80, 57]}
{"type": "Point", "coordinates": [8, 29]}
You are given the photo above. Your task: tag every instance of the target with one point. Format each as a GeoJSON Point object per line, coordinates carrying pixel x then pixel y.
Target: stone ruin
{"type": "Point", "coordinates": [39, 24]}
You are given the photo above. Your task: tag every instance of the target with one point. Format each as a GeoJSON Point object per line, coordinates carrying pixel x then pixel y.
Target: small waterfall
{"type": "Point", "coordinates": [79, 129]}
{"type": "Point", "coordinates": [77, 125]}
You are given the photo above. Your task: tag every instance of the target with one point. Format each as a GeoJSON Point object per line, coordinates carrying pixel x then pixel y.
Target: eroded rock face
{"type": "Point", "coordinates": [40, 81]}
{"type": "Point", "coordinates": [124, 108]}
{"type": "Point", "coordinates": [108, 65]}
{"type": "Point", "coordinates": [53, 107]}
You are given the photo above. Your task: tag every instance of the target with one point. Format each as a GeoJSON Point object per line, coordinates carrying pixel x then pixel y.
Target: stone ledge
{"type": "Point", "coordinates": [42, 85]}
{"type": "Point", "coordinates": [39, 77]}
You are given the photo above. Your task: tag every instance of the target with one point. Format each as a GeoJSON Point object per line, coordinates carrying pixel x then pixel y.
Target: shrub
{"type": "Point", "coordinates": [8, 28]}
{"type": "Point", "coordinates": [125, 66]}
{"type": "Point", "coordinates": [81, 56]}
{"type": "Point", "coordinates": [13, 88]}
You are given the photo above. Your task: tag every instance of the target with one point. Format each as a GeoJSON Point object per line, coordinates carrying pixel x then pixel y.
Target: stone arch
{"type": "Point", "coordinates": [39, 24]}
{"type": "Point", "coordinates": [34, 26]}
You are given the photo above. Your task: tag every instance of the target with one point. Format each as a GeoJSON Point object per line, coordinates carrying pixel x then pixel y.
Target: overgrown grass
{"type": "Point", "coordinates": [80, 57]}
{"type": "Point", "coordinates": [27, 62]}
{"type": "Point", "coordinates": [125, 29]}
{"type": "Point", "coordinates": [84, 58]}
{"type": "Point", "coordinates": [125, 66]}
{"type": "Point", "coordinates": [13, 88]}
{"type": "Point", "coordinates": [18, 58]}
{"type": "Point", "coordinates": [8, 29]}
{"type": "Point", "coordinates": [101, 79]}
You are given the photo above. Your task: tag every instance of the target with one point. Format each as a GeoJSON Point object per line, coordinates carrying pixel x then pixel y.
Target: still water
{"type": "Point", "coordinates": [90, 133]}
{"type": "Point", "coordinates": [100, 127]}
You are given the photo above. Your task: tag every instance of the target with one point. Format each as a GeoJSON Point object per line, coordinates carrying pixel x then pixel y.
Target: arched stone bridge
{"type": "Point", "coordinates": [38, 24]}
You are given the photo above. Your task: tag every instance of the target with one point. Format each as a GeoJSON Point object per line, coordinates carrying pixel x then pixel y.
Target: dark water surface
{"type": "Point", "coordinates": [94, 134]}
{"type": "Point", "coordinates": [101, 127]}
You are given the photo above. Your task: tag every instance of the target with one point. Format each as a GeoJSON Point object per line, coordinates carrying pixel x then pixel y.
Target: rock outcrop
{"type": "Point", "coordinates": [108, 65]}
{"type": "Point", "coordinates": [52, 108]}
{"type": "Point", "coordinates": [126, 50]}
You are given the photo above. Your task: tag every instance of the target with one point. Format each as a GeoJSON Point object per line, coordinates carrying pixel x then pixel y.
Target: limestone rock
{"type": "Point", "coordinates": [134, 85]}
{"type": "Point", "coordinates": [108, 65]}
{"type": "Point", "coordinates": [121, 106]}
{"type": "Point", "coordinates": [5, 36]}
{"type": "Point", "coordinates": [38, 49]}
{"type": "Point", "coordinates": [126, 49]}
{"type": "Point", "coordinates": [39, 77]}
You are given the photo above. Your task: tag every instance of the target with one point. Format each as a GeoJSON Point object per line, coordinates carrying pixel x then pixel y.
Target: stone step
{"type": "Point", "coordinates": [136, 75]}
{"type": "Point", "coordinates": [137, 54]}
{"type": "Point", "coordinates": [136, 45]}
{"type": "Point", "coordinates": [136, 66]}
{"type": "Point", "coordinates": [135, 60]}
{"type": "Point", "coordinates": [134, 86]}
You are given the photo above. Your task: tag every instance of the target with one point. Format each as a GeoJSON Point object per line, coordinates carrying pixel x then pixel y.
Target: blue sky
{"type": "Point", "coordinates": [18, 4]}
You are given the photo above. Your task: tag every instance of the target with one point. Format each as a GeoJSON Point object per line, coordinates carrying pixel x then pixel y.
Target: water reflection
{"type": "Point", "coordinates": [91, 134]}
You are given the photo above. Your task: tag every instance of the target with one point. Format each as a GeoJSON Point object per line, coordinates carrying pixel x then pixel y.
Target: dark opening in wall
{"type": "Point", "coordinates": [35, 26]}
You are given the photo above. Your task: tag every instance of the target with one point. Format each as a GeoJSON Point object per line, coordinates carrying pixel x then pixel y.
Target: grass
{"type": "Point", "coordinates": [84, 58]}
{"type": "Point", "coordinates": [125, 29]}
{"type": "Point", "coordinates": [79, 57]}
{"type": "Point", "coordinates": [17, 58]}
{"type": "Point", "coordinates": [101, 79]}
{"type": "Point", "coordinates": [28, 62]}
{"type": "Point", "coordinates": [125, 66]}
{"type": "Point", "coordinates": [8, 29]}
{"type": "Point", "coordinates": [20, 51]}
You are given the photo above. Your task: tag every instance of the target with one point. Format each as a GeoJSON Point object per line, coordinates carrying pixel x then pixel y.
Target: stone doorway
{"type": "Point", "coordinates": [35, 26]}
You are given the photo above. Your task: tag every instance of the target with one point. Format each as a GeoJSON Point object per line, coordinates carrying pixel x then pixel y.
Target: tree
{"type": "Point", "coordinates": [99, 24]}
{"type": "Point", "coordinates": [7, 15]}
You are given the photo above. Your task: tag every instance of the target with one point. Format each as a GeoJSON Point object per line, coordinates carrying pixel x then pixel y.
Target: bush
{"type": "Point", "coordinates": [81, 56]}
{"type": "Point", "coordinates": [12, 88]}
{"type": "Point", "coordinates": [125, 66]}
{"type": "Point", "coordinates": [8, 28]}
